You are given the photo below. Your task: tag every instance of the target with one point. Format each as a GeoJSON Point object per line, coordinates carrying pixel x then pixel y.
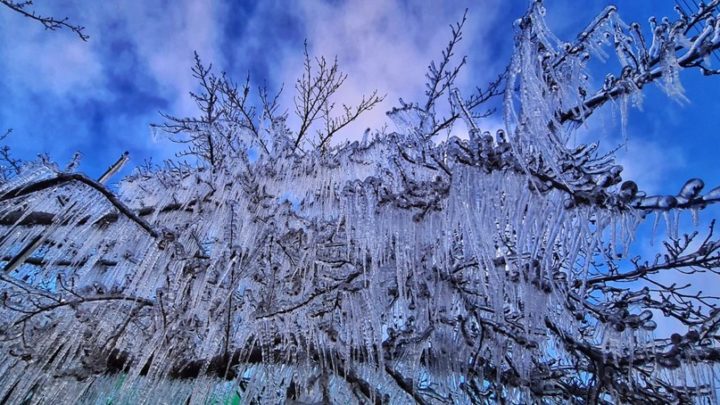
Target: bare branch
{"type": "Point", "coordinates": [50, 23]}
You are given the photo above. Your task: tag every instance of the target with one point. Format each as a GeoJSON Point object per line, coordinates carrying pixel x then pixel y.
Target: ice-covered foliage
{"type": "Point", "coordinates": [282, 267]}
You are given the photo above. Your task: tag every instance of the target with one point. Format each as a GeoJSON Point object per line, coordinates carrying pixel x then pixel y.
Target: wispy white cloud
{"type": "Point", "coordinates": [36, 61]}
{"type": "Point", "coordinates": [164, 37]}
{"type": "Point", "coordinates": [388, 45]}
{"type": "Point", "coordinates": [649, 164]}
{"type": "Point", "coordinates": [138, 53]}
{"type": "Point", "coordinates": [383, 45]}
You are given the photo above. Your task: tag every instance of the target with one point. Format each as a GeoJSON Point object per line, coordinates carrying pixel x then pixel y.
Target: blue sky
{"type": "Point", "coordinates": [62, 95]}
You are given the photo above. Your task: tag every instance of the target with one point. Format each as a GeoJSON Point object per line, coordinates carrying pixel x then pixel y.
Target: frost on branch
{"type": "Point", "coordinates": [24, 8]}
{"type": "Point", "coordinates": [281, 266]}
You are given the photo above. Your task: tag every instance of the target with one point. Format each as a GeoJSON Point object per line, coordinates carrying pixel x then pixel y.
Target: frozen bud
{"type": "Point", "coordinates": [609, 81]}
{"type": "Point", "coordinates": [627, 72]}
{"type": "Point", "coordinates": [669, 362]}
{"type": "Point", "coordinates": [604, 180]}
{"type": "Point", "coordinates": [713, 195]}
{"type": "Point", "coordinates": [487, 139]}
{"type": "Point", "coordinates": [646, 315]}
{"type": "Point", "coordinates": [474, 136]}
{"type": "Point", "coordinates": [691, 189]}
{"type": "Point", "coordinates": [500, 135]}
{"type": "Point", "coordinates": [628, 190]}
{"type": "Point", "coordinates": [649, 326]}
{"type": "Point", "coordinates": [100, 289]}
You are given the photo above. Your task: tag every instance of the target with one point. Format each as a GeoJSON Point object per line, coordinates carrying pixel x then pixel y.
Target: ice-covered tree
{"type": "Point", "coordinates": [280, 265]}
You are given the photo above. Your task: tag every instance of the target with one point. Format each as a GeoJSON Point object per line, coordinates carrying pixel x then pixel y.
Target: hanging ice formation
{"type": "Point", "coordinates": [467, 271]}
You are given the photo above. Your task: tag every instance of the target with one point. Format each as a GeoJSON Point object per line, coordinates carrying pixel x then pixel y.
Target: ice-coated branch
{"type": "Point", "coordinates": [656, 62]}
{"type": "Point", "coordinates": [314, 101]}
{"type": "Point", "coordinates": [62, 178]}
{"type": "Point", "coordinates": [441, 76]}
{"type": "Point", "coordinates": [81, 300]}
{"type": "Point", "coordinates": [679, 256]}
{"type": "Point", "coordinates": [350, 114]}
{"type": "Point", "coordinates": [9, 166]}
{"type": "Point", "coordinates": [22, 7]}
{"type": "Point", "coordinates": [114, 168]}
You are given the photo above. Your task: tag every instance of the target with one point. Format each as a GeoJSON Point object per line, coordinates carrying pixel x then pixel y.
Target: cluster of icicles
{"type": "Point", "coordinates": [361, 274]}
{"type": "Point", "coordinates": [291, 291]}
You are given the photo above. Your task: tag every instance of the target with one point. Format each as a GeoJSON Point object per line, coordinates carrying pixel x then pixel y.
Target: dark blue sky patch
{"type": "Point", "coordinates": [254, 38]}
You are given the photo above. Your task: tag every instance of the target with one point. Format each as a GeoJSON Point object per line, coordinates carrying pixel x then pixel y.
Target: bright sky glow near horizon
{"type": "Point", "coordinates": [62, 95]}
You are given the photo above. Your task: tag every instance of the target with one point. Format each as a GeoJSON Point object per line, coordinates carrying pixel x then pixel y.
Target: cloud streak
{"type": "Point", "coordinates": [99, 97]}
{"type": "Point", "coordinates": [388, 45]}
